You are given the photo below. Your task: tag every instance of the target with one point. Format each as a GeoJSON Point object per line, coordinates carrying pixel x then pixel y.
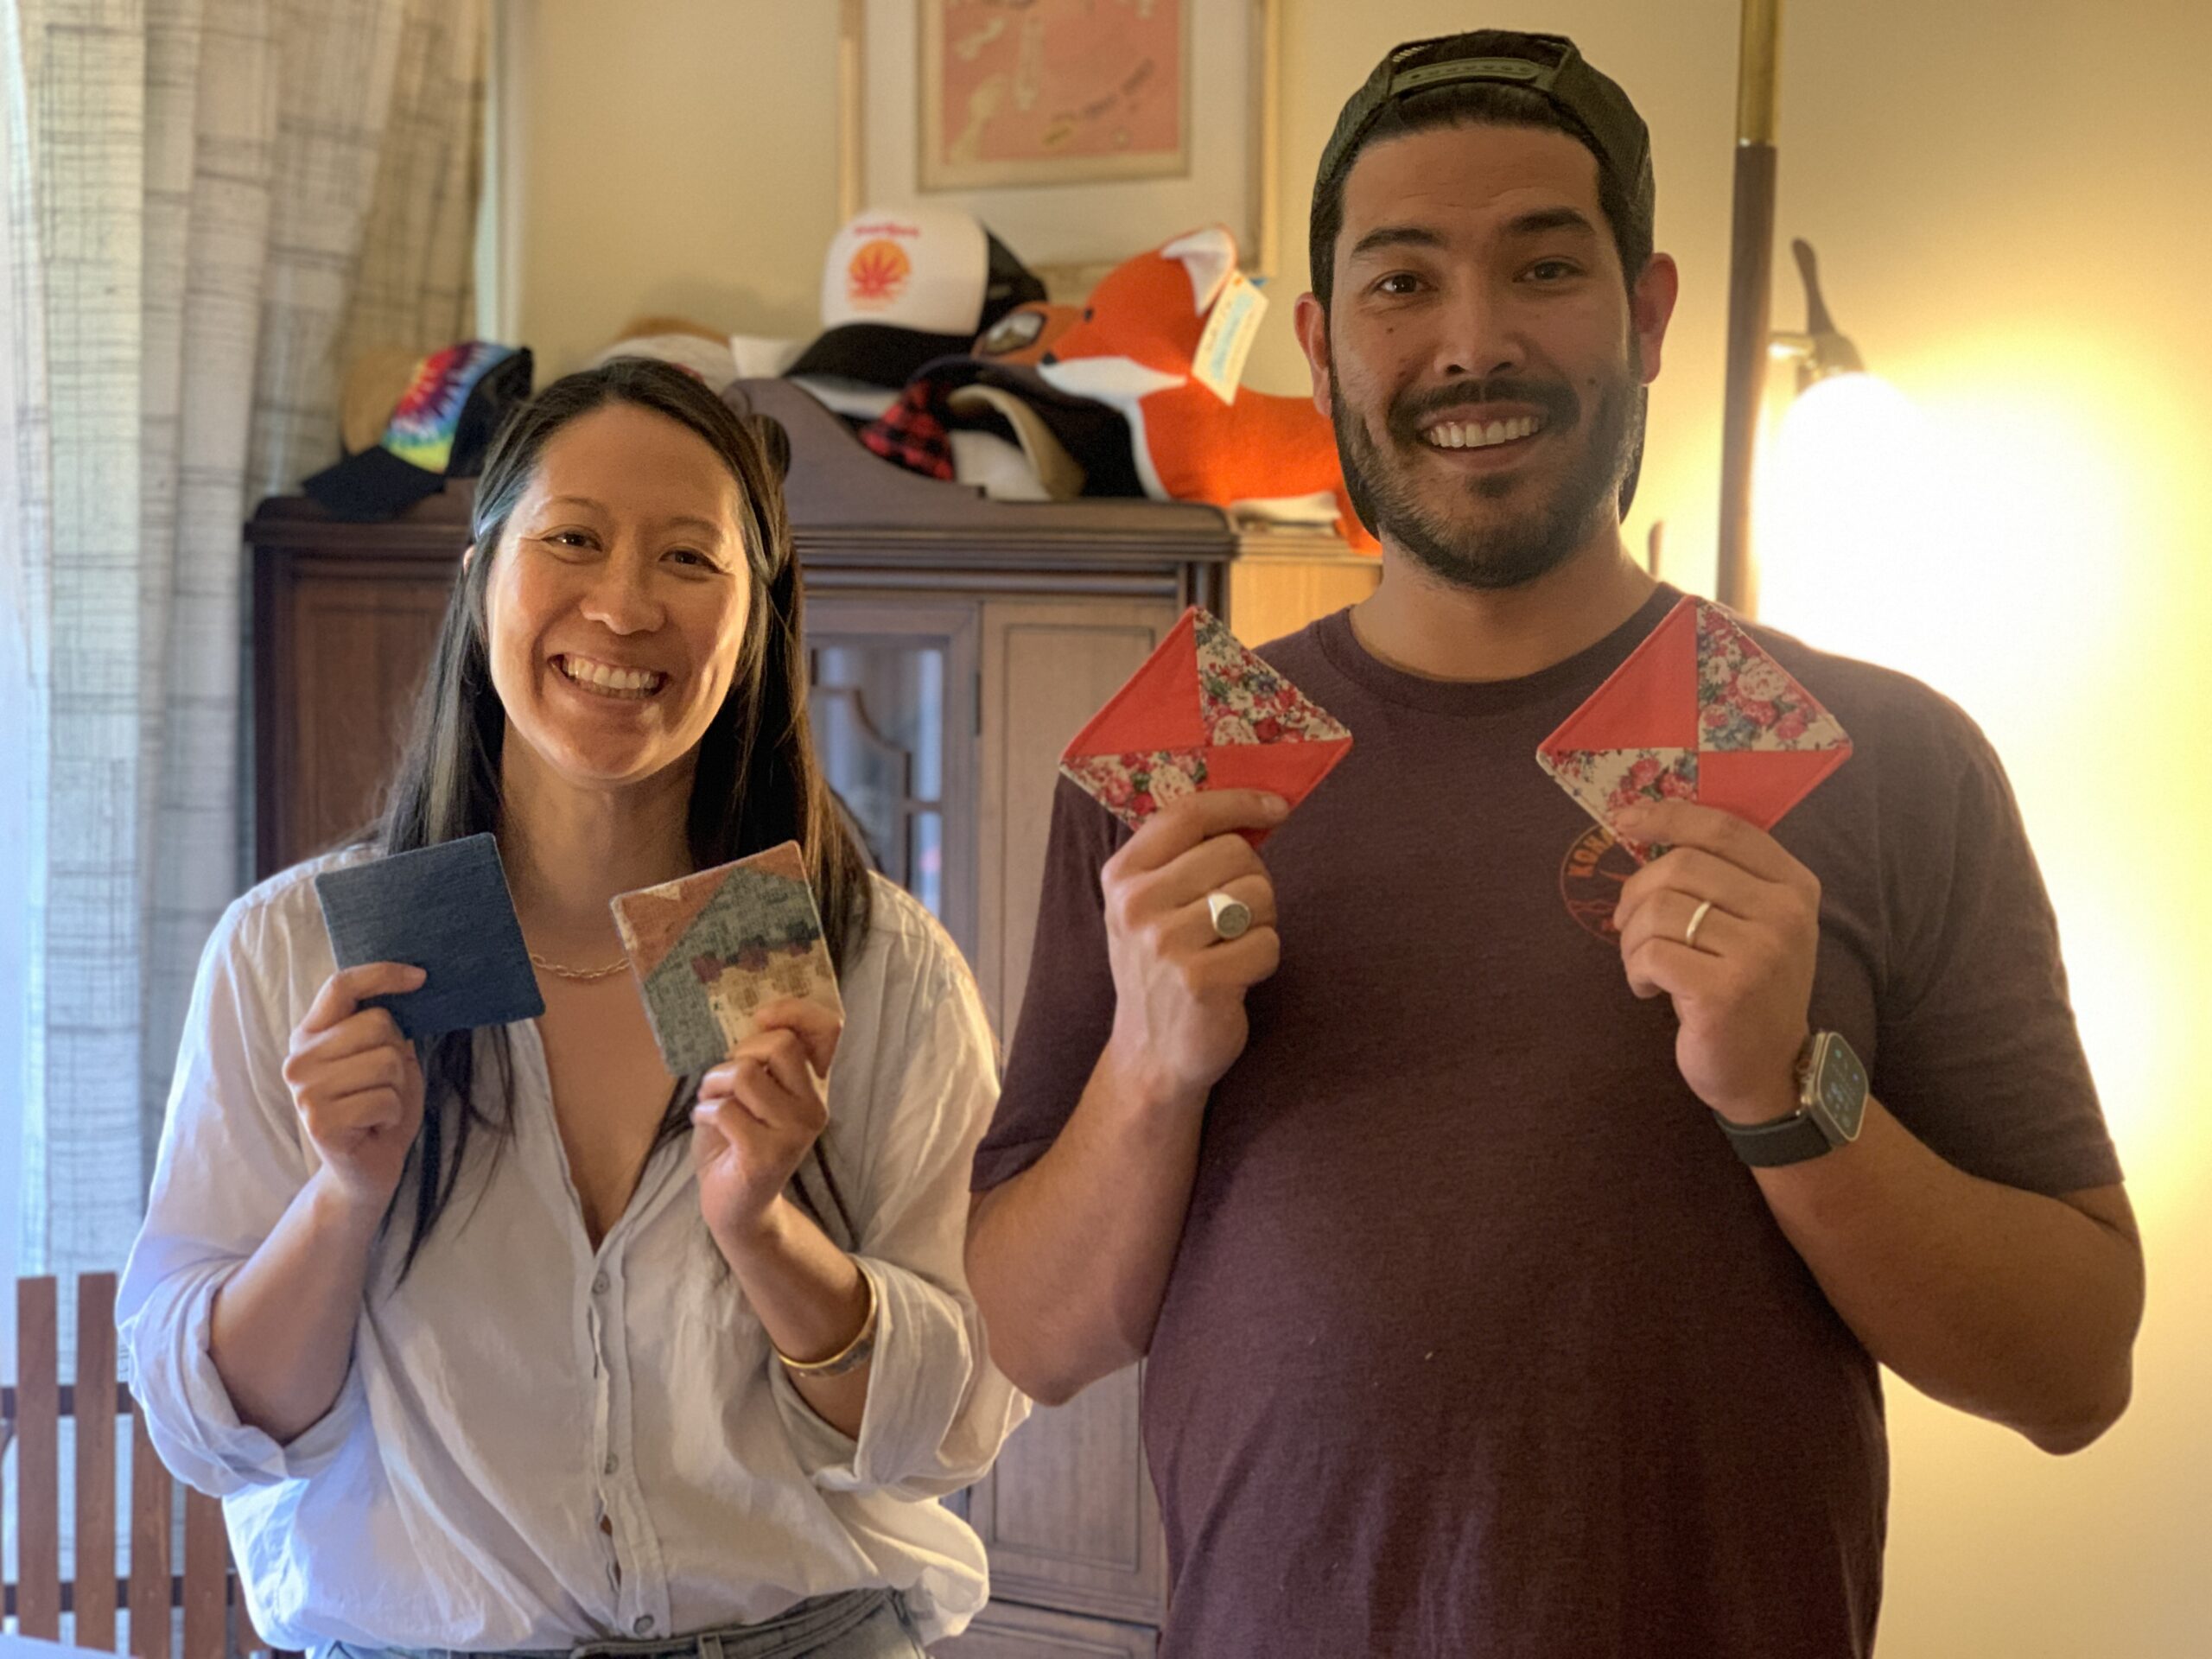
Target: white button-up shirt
{"type": "Point", "coordinates": [540, 1443]}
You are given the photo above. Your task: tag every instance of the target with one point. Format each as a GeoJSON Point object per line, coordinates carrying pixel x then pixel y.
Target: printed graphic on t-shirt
{"type": "Point", "coordinates": [1590, 879]}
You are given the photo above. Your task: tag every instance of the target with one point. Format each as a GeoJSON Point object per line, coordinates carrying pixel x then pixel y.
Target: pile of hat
{"type": "Point", "coordinates": [940, 350]}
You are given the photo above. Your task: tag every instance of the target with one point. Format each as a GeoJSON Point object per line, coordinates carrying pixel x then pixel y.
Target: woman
{"type": "Point", "coordinates": [519, 1344]}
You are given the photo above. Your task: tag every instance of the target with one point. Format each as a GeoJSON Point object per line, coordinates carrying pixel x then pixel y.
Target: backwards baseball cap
{"type": "Point", "coordinates": [1545, 64]}
{"type": "Point", "coordinates": [1549, 65]}
{"type": "Point", "coordinates": [901, 286]}
{"type": "Point", "coordinates": [443, 424]}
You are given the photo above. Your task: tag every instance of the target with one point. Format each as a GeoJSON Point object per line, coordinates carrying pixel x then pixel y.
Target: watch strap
{"type": "Point", "coordinates": [1791, 1139]}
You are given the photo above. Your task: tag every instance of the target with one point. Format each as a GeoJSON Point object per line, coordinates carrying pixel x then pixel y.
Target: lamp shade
{"type": "Point", "coordinates": [1851, 518]}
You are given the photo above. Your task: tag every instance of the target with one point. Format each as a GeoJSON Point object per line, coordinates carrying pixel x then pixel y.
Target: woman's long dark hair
{"type": "Point", "coordinates": [757, 782]}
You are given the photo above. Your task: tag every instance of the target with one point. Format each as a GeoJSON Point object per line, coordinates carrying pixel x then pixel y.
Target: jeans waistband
{"type": "Point", "coordinates": [809, 1625]}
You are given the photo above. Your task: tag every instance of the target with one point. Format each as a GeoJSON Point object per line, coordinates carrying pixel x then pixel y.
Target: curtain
{"type": "Point", "coordinates": [210, 206]}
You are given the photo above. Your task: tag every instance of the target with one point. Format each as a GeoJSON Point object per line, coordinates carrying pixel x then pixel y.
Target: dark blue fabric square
{"type": "Point", "coordinates": [445, 909]}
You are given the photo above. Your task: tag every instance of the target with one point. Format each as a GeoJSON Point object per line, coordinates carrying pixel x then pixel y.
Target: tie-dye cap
{"type": "Point", "coordinates": [444, 421]}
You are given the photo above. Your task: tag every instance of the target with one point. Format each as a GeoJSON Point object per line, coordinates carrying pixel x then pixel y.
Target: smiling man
{"type": "Point", "coordinates": [1513, 1232]}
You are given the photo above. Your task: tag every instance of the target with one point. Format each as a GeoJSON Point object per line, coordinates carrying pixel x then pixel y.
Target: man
{"type": "Point", "coordinates": [1475, 1323]}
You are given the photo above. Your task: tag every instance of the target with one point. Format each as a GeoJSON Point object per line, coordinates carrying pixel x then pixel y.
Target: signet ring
{"type": "Point", "coordinates": [1232, 917]}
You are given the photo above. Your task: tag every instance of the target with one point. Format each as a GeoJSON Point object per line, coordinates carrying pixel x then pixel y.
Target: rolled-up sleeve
{"type": "Point", "coordinates": [231, 1161]}
{"type": "Point", "coordinates": [938, 1408]}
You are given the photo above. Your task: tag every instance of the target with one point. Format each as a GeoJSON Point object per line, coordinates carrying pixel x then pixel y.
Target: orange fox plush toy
{"type": "Point", "coordinates": [1133, 350]}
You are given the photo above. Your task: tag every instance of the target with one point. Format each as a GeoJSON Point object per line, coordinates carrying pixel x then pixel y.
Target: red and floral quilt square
{"type": "Point", "coordinates": [1202, 712]}
{"type": "Point", "coordinates": [1698, 712]}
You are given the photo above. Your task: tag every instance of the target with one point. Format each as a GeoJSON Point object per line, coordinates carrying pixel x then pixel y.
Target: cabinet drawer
{"type": "Point", "coordinates": [1004, 1630]}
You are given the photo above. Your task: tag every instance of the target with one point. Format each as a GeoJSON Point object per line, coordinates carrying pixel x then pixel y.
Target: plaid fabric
{"type": "Point", "coordinates": [916, 431]}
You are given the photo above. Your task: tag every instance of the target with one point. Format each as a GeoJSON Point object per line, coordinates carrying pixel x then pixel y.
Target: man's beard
{"type": "Point", "coordinates": [1513, 547]}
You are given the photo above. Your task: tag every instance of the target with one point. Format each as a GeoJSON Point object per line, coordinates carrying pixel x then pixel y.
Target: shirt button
{"type": "Point", "coordinates": [613, 1463]}
{"type": "Point", "coordinates": [644, 1624]}
{"type": "Point", "coordinates": [599, 1286]}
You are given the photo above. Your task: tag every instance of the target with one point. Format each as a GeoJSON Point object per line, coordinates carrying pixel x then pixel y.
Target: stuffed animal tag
{"type": "Point", "coordinates": [1231, 326]}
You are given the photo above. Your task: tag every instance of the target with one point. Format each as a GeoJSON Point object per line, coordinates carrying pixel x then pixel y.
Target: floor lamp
{"type": "Point", "coordinates": [1821, 351]}
{"type": "Point", "coordinates": [1750, 284]}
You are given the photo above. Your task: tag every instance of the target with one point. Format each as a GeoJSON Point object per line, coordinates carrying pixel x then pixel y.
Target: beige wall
{"type": "Point", "coordinates": [2009, 207]}
{"type": "Point", "coordinates": [673, 156]}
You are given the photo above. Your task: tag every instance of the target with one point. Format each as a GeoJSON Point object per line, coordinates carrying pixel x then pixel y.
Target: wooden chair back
{"type": "Point", "coordinates": [215, 1622]}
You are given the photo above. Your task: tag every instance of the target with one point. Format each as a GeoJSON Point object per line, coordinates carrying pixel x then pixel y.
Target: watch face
{"type": "Point", "coordinates": [1840, 1090]}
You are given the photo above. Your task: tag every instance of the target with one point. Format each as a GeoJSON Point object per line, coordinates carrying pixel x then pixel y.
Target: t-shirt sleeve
{"type": "Point", "coordinates": [1067, 1011]}
{"type": "Point", "coordinates": [1979, 1054]}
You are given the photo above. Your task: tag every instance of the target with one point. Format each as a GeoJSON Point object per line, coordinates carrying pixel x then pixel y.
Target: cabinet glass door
{"type": "Point", "coordinates": [891, 694]}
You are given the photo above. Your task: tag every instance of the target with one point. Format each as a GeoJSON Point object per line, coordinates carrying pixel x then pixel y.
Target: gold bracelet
{"type": "Point", "coordinates": [854, 1355]}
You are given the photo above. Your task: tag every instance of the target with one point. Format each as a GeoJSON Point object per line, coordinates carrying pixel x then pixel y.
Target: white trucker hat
{"type": "Point", "coordinates": [904, 285]}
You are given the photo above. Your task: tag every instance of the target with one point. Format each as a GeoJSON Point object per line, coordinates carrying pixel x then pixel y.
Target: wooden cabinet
{"type": "Point", "coordinates": [1103, 1555]}
{"type": "Point", "coordinates": [345, 617]}
{"type": "Point", "coordinates": [955, 646]}
{"type": "Point", "coordinates": [1007, 1629]}
{"type": "Point", "coordinates": [1047, 664]}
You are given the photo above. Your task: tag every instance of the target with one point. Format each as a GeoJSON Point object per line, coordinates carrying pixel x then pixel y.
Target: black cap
{"type": "Point", "coordinates": [1007, 282]}
{"type": "Point", "coordinates": [1546, 64]}
{"type": "Point", "coordinates": [457, 401]}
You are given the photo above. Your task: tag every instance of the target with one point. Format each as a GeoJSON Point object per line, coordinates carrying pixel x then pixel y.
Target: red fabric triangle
{"type": "Point", "coordinates": [1290, 770]}
{"type": "Point", "coordinates": [1649, 702]}
{"type": "Point", "coordinates": [1759, 786]}
{"type": "Point", "coordinates": [1157, 708]}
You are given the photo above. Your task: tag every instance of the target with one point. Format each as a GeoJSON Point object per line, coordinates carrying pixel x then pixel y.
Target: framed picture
{"type": "Point", "coordinates": [1080, 131]}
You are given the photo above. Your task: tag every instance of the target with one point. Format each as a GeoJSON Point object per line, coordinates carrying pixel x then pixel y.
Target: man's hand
{"type": "Point", "coordinates": [1178, 1015]}
{"type": "Point", "coordinates": [1744, 990]}
{"type": "Point", "coordinates": [757, 1114]}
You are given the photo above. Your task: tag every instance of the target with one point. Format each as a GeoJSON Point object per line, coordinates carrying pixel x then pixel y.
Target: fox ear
{"type": "Point", "coordinates": [1209, 256]}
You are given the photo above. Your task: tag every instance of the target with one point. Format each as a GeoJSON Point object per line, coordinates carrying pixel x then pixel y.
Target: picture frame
{"type": "Point", "coordinates": [1058, 191]}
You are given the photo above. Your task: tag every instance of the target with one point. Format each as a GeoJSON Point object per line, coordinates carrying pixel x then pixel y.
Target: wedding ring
{"type": "Point", "coordinates": [1697, 920]}
{"type": "Point", "coordinates": [1232, 917]}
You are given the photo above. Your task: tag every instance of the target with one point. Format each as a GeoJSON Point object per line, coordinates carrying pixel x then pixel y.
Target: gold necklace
{"type": "Point", "coordinates": [584, 975]}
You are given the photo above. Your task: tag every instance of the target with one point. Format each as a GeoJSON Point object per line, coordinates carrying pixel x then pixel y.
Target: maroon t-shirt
{"type": "Point", "coordinates": [1481, 1340]}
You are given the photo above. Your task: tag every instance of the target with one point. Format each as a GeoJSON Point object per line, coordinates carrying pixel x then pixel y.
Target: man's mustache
{"type": "Point", "coordinates": [1410, 414]}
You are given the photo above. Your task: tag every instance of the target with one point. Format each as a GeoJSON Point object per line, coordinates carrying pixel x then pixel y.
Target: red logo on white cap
{"type": "Point", "coordinates": [877, 274]}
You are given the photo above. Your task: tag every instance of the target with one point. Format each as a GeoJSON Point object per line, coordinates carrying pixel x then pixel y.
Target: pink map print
{"type": "Point", "coordinates": [1059, 81]}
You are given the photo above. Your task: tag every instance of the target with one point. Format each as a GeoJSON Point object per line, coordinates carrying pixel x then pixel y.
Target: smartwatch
{"type": "Point", "coordinates": [1831, 1105]}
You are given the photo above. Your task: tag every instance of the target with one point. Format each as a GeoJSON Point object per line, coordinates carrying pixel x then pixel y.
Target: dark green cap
{"type": "Point", "coordinates": [1547, 64]}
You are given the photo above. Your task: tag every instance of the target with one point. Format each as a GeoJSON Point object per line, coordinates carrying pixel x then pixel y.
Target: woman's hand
{"type": "Point", "coordinates": [757, 1114]}
{"type": "Point", "coordinates": [356, 1084]}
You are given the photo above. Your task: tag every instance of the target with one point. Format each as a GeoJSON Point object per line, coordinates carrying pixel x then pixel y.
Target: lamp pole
{"type": "Point", "coordinates": [1751, 283]}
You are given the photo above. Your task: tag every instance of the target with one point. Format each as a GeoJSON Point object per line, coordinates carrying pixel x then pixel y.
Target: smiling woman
{"type": "Point", "coordinates": [626, 522]}
{"type": "Point", "coordinates": [415, 1310]}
